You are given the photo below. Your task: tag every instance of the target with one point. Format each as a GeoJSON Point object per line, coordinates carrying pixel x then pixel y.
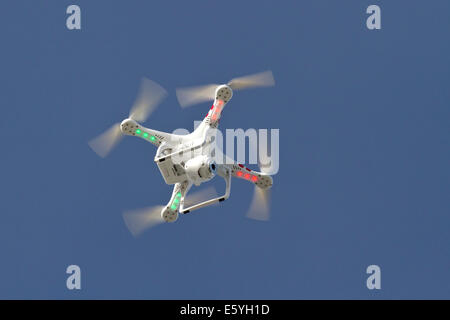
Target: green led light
{"type": "Point", "coordinates": [138, 131]}
{"type": "Point", "coordinates": [152, 138]}
{"type": "Point", "coordinates": [145, 135]}
{"type": "Point", "coordinates": [174, 207]}
{"type": "Point", "coordinates": [179, 194]}
{"type": "Point", "coordinates": [175, 200]}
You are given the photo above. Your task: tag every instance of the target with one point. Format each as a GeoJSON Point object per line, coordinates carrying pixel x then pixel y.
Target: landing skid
{"type": "Point", "coordinates": [225, 173]}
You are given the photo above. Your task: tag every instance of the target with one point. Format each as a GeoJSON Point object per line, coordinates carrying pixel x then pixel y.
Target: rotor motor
{"type": "Point", "coordinates": [169, 215]}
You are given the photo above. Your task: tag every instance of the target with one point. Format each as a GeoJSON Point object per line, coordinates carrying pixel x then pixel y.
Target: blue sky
{"type": "Point", "coordinates": [364, 149]}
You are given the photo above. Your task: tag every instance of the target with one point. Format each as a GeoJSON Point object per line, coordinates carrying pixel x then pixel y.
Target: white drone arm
{"type": "Point", "coordinates": [132, 128]}
{"type": "Point", "coordinates": [260, 179]}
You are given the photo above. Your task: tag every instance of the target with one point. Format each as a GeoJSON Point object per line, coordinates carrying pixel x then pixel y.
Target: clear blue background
{"type": "Point", "coordinates": [364, 129]}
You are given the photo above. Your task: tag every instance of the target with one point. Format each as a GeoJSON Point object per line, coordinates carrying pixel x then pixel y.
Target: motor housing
{"type": "Point", "coordinates": [169, 215]}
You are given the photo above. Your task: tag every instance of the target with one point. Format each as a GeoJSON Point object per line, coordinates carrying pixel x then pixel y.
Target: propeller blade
{"type": "Point", "coordinates": [200, 196]}
{"type": "Point", "coordinates": [150, 95]}
{"type": "Point", "coordinates": [262, 79]}
{"type": "Point", "coordinates": [105, 142]}
{"type": "Point", "coordinates": [193, 95]}
{"type": "Point", "coordinates": [260, 206]}
{"type": "Point", "coordinates": [139, 220]}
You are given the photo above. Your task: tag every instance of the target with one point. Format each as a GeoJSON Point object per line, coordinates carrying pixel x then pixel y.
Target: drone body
{"type": "Point", "coordinates": [185, 160]}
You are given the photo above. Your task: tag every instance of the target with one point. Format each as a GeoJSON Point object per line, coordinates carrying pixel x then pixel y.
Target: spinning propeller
{"type": "Point", "coordinates": [139, 220]}
{"type": "Point", "coordinates": [260, 205]}
{"type": "Point", "coordinates": [150, 95]}
{"type": "Point", "coordinates": [193, 95]}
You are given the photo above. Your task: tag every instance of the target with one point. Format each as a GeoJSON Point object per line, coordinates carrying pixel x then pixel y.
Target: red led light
{"type": "Point", "coordinates": [254, 178]}
{"type": "Point", "coordinates": [248, 169]}
{"type": "Point", "coordinates": [240, 165]}
{"type": "Point", "coordinates": [239, 173]}
{"type": "Point", "coordinates": [212, 107]}
{"type": "Point", "coordinates": [247, 176]}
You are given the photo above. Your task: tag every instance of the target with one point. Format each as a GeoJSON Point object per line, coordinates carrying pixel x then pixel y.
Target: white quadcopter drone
{"type": "Point", "coordinates": [186, 160]}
